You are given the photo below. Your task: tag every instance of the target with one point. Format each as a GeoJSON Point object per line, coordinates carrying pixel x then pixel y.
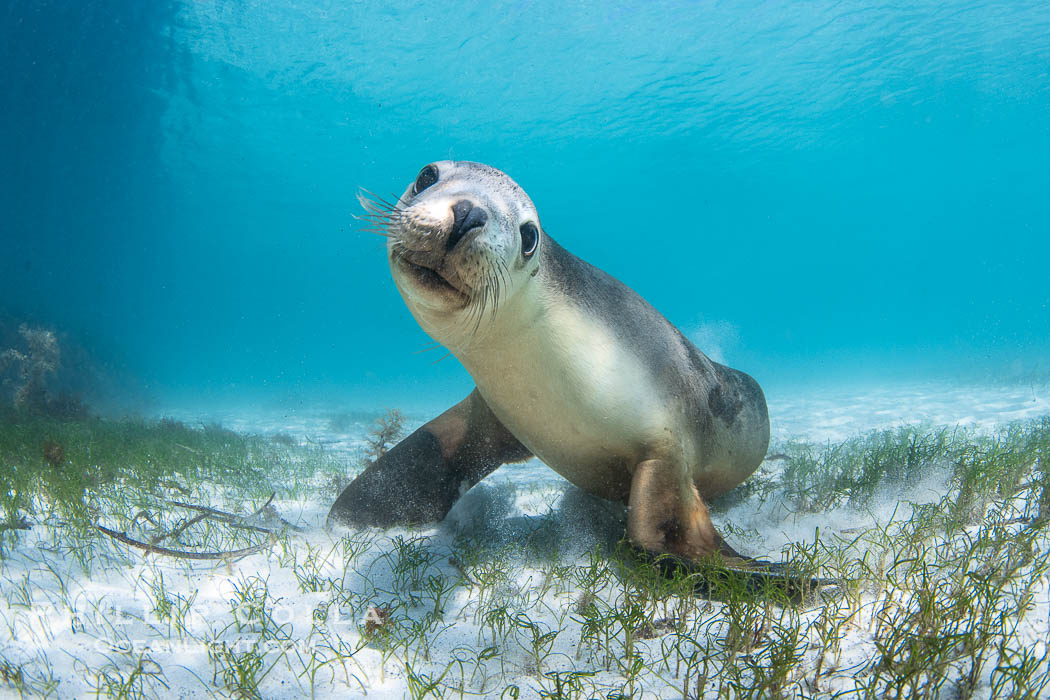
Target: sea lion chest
{"type": "Point", "coordinates": [580, 399]}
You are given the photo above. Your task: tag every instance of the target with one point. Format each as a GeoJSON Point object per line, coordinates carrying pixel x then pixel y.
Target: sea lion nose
{"type": "Point", "coordinates": [465, 218]}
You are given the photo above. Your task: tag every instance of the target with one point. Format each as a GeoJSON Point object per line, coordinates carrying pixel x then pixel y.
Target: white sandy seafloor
{"type": "Point", "coordinates": [78, 624]}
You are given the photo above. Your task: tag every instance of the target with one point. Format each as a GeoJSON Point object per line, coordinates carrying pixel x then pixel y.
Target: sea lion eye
{"type": "Point", "coordinates": [530, 238]}
{"type": "Point", "coordinates": [427, 177]}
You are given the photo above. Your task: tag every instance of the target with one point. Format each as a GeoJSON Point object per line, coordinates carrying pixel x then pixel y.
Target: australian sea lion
{"type": "Point", "coordinates": [571, 366]}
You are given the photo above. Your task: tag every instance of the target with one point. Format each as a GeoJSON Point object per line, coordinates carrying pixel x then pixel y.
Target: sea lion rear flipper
{"type": "Point", "coordinates": [422, 476]}
{"type": "Point", "coordinates": [720, 579]}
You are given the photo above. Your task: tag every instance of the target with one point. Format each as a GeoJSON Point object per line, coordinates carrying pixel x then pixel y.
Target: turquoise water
{"type": "Point", "coordinates": [814, 191]}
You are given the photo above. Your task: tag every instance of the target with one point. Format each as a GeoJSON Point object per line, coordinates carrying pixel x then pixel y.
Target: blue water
{"type": "Point", "coordinates": [813, 190]}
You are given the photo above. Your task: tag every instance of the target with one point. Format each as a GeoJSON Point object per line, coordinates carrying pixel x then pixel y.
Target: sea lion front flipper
{"type": "Point", "coordinates": [666, 513]}
{"type": "Point", "coordinates": [422, 476]}
{"type": "Point", "coordinates": [669, 522]}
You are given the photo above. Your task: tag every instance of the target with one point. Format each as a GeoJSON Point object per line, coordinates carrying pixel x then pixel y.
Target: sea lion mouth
{"type": "Point", "coordinates": [431, 280]}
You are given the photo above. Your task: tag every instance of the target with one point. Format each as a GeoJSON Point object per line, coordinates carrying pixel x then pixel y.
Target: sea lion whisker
{"type": "Point", "coordinates": [380, 200]}
{"type": "Point", "coordinates": [379, 223]}
{"type": "Point", "coordinates": [392, 200]}
{"type": "Point", "coordinates": [387, 216]}
{"type": "Point", "coordinates": [494, 281]}
{"type": "Point", "coordinates": [378, 230]}
{"type": "Point", "coordinates": [443, 357]}
{"type": "Point", "coordinates": [430, 348]}
{"type": "Point", "coordinates": [490, 286]}
{"type": "Point", "coordinates": [501, 268]}
{"type": "Point", "coordinates": [376, 206]}
{"type": "Point", "coordinates": [381, 217]}
{"type": "Point", "coordinates": [370, 205]}
{"type": "Point", "coordinates": [475, 302]}
{"type": "Point", "coordinates": [384, 218]}
{"type": "Point", "coordinates": [481, 310]}
{"type": "Point", "coordinates": [477, 312]}
{"type": "Point", "coordinates": [386, 226]}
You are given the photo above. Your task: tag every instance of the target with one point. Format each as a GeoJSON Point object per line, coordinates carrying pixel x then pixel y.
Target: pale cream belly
{"type": "Point", "coordinates": [586, 454]}
{"type": "Point", "coordinates": [583, 406]}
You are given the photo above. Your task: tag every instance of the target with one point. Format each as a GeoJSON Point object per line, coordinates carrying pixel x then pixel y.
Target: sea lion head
{"type": "Point", "coordinates": [463, 240]}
